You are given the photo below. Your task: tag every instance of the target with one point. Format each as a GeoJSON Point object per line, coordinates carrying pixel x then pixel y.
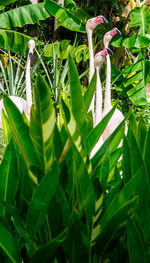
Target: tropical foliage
{"type": "Point", "coordinates": [57, 204]}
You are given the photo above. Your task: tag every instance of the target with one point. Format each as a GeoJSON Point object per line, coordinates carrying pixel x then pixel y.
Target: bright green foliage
{"type": "Point", "coordinates": [18, 17]}
{"type": "Point", "coordinates": [136, 75]}
{"type": "Point", "coordinates": [66, 207]}
{"type": "Point", "coordinates": [64, 16]}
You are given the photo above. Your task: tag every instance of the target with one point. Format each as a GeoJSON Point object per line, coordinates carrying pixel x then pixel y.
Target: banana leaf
{"type": "Point", "coordinates": [65, 17]}
{"type": "Point", "coordinates": [24, 15]}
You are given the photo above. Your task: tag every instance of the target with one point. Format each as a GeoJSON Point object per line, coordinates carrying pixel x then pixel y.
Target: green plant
{"type": "Point", "coordinates": [135, 75]}
{"type": "Point", "coordinates": [19, 17]}
{"type": "Point", "coordinates": [57, 205]}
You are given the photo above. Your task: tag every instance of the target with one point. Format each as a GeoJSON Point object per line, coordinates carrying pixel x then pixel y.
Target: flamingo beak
{"type": "Point", "coordinates": [118, 31]}
{"type": "Point", "coordinates": [110, 52]}
{"type": "Point", "coordinates": [104, 20]}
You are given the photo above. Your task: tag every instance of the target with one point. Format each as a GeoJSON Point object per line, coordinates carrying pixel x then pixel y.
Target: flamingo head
{"type": "Point", "coordinates": [31, 45]}
{"type": "Point", "coordinates": [100, 56]}
{"type": "Point", "coordinates": [108, 36]}
{"type": "Point", "coordinates": [92, 23]}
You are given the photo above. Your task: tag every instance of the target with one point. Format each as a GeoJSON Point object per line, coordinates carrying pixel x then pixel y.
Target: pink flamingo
{"type": "Point", "coordinates": [21, 104]}
{"type": "Point", "coordinates": [90, 26]}
{"type": "Point", "coordinates": [117, 117]}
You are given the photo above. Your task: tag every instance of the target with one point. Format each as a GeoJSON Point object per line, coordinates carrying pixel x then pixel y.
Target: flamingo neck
{"type": "Point", "coordinates": [91, 54]}
{"type": "Point", "coordinates": [107, 99]}
{"type": "Point", "coordinates": [98, 109]}
{"type": "Point", "coordinates": [28, 86]}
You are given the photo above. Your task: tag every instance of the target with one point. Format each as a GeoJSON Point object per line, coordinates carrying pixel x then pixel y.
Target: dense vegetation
{"type": "Point", "coordinates": [57, 204]}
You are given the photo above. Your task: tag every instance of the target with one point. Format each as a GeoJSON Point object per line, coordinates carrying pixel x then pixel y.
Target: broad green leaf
{"type": "Point", "coordinates": [116, 213]}
{"type": "Point", "coordinates": [6, 127]}
{"type": "Point", "coordinates": [85, 188]}
{"type": "Point", "coordinates": [78, 107]}
{"type": "Point", "coordinates": [127, 170]}
{"type": "Point", "coordinates": [142, 189]}
{"type": "Point", "coordinates": [21, 134]}
{"type": "Point", "coordinates": [25, 189]}
{"type": "Point", "coordinates": [89, 93]}
{"type": "Point", "coordinates": [142, 134]}
{"type": "Point", "coordinates": [110, 144]}
{"type": "Point", "coordinates": [75, 247]}
{"type": "Point", "coordinates": [147, 153]}
{"type": "Point", "coordinates": [8, 176]}
{"type": "Point", "coordinates": [97, 131]}
{"type": "Point", "coordinates": [73, 129]}
{"type": "Point", "coordinates": [47, 253]}
{"type": "Point", "coordinates": [136, 247]}
{"type": "Point", "coordinates": [60, 53]}
{"type": "Point", "coordinates": [140, 17]}
{"type": "Point", "coordinates": [106, 234]}
{"type": "Point", "coordinates": [135, 40]}
{"type": "Point", "coordinates": [65, 17]}
{"type": "Point", "coordinates": [40, 201]}
{"type": "Point", "coordinates": [14, 41]}
{"type": "Point", "coordinates": [42, 123]}
{"type": "Point", "coordinates": [71, 6]}
{"type": "Point", "coordinates": [58, 145]}
{"type": "Point", "coordinates": [18, 17]}
{"type": "Point", "coordinates": [8, 244]}
{"type": "Point", "coordinates": [121, 198]}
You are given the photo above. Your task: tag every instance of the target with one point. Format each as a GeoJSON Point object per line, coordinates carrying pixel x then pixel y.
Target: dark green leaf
{"type": "Point", "coordinates": [40, 201]}
{"type": "Point", "coordinates": [8, 176]}
{"type": "Point", "coordinates": [78, 107]}
{"type": "Point", "coordinates": [8, 244]}
{"type": "Point", "coordinates": [65, 18]}
{"type": "Point", "coordinates": [136, 247]}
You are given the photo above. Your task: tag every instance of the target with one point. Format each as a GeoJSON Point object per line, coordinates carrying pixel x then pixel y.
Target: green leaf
{"type": "Point", "coordinates": [78, 107]}
{"type": "Point", "coordinates": [21, 135]}
{"type": "Point", "coordinates": [85, 187]}
{"type": "Point", "coordinates": [47, 253]}
{"type": "Point", "coordinates": [18, 17]}
{"type": "Point", "coordinates": [8, 176]}
{"type": "Point", "coordinates": [65, 18]}
{"type": "Point", "coordinates": [42, 123]}
{"type": "Point", "coordinates": [117, 212]}
{"type": "Point", "coordinates": [140, 17]}
{"type": "Point", "coordinates": [142, 134]}
{"type": "Point", "coordinates": [90, 91]}
{"type": "Point", "coordinates": [80, 13]}
{"type": "Point", "coordinates": [137, 253]}
{"type": "Point", "coordinates": [110, 144]}
{"type": "Point", "coordinates": [127, 170]}
{"type": "Point", "coordinates": [135, 40]}
{"type": "Point", "coordinates": [73, 129]}
{"type": "Point", "coordinates": [122, 197]}
{"type": "Point", "coordinates": [8, 244]}
{"type": "Point", "coordinates": [147, 153]}
{"type": "Point", "coordinates": [106, 234]}
{"type": "Point", "coordinates": [74, 247]}
{"type": "Point", "coordinates": [6, 128]}
{"type": "Point", "coordinates": [40, 201]}
{"type": "Point", "coordinates": [97, 131]}
{"type": "Point", "coordinates": [14, 41]}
